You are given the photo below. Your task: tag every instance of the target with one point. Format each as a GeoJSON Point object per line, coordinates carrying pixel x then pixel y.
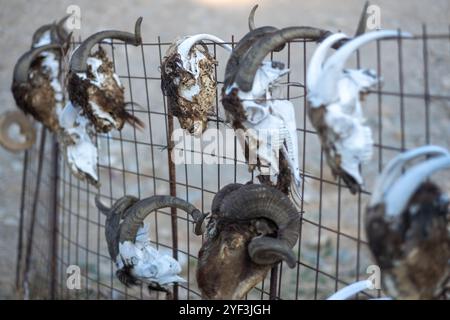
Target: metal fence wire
{"type": "Point", "coordinates": [61, 227]}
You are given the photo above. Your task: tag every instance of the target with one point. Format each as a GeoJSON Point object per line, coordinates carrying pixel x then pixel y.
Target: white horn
{"type": "Point", "coordinates": [393, 169]}
{"type": "Point", "coordinates": [400, 193]}
{"type": "Point", "coordinates": [187, 44]}
{"type": "Point", "coordinates": [315, 64]}
{"type": "Point", "coordinates": [337, 60]}
{"type": "Point", "coordinates": [350, 290]}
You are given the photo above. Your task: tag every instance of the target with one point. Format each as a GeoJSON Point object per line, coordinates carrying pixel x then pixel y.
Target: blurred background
{"type": "Point", "coordinates": [169, 19]}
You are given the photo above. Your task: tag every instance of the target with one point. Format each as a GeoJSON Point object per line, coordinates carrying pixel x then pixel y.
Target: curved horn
{"type": "Point", "coordinates": [59, 33]}
{"type": "Point", "coordinates": [26, 129]}
{"type": "Point", "coordinates": [401, 192]}
{"type": "Point", "coordinates": [186, 45]}
{"type": "Point", "coordinates": [253, 58]}
{"type": "Point", "coordinates": [393, 169]}
{"type": "Point", "coordinates": [138, 212]}
{"type": "Point", "coordinates": [78, 61]}
{"type": "Point", "coordinates": [60, 28]}
{"type": "Point", "coordinates": [268, 250]}
{"type": "Point", "coordinates": [334, 65]}
{"type": "Point", "coordinates": [241, 48]}
{"type": "Point", "coordinates": [102, 207]}
{"type": "Point", "coordinates": [362, 24]}
{"type": "Point", "coordinates": [39, 32]}
{"type": "Point", "coordinates": [316, 62]}
{"type": "Point", "coordinates": [251, 18]}
{"type": "Point", "coordinates": [119, 206]}
{"type": "Point", "coordinates": [113, 217]}
{"type": "Point", "coordinates": [23, 64]}
{"type": "Point", "coordinates": [360, 29]}
{"type": "Point", "coordinates": [225, 191]}
{"type": "Point", "coordinates": [259, 201]}
{"type": "Point", "coordinates": [350, 290]}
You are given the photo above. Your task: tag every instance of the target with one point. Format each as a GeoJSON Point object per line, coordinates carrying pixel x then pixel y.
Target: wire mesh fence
{"type": "Point", "coordinates": [61, 226]}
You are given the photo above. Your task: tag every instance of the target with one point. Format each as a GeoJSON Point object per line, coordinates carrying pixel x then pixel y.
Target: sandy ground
{"type": "Point", "coordinates": [170, 18]}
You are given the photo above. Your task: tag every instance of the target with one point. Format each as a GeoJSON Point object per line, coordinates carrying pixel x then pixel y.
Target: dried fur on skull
{"type": "Point", "coordinates": [100, 94]}
{"type": "Point", "coordinates": [191, 92]}
{"type": "Point", "coordinates": [37, 97]}
{"type": "Point", "coordinates": [225, 247]}
{"type": "Point", "coordinates": [42, 95]}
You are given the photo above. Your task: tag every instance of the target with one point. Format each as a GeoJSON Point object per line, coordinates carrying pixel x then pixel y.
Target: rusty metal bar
{"type": "Point", "coordinates": [273, 283]}
{"type": "Point", "coordinates": [25, 284]}
{"type": "Point", "coordinates": [172, 180]}
{"type": "Point", "coordinates": [173, 192]}
{"type": "Point", "coordinates": [21, 220]}
{"type": "Point", "coordinates": [53, 221]}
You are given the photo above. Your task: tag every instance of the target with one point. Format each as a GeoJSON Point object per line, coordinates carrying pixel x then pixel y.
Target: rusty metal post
{"type": "Point", "coordinates": [29, 248]}
{"type": "Point", "coordinates": [53, 220]}
{"type": "Point", "coordinates": [273, 283]}
{"type": "Point", "coordinates": [173, 192]}
{"type": "Point", "coordinates": [21, 221]}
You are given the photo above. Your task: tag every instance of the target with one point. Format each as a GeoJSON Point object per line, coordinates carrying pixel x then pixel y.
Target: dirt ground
{"type": "Point", "coordinates": [170, 18]}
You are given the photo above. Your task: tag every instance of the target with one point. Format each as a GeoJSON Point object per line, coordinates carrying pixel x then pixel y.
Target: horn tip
{"type": "Point", "coordinates": [100, 206]}
{"type": "Point", "coordinates": [137, 30]}
{"type": "Point", "coordinates": [139, 22]}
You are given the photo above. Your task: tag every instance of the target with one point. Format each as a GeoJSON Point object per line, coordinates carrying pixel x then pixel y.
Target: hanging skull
{"type": "Point", "coordinates": [37, 84]}
{"type": "Point", "coordinates": [251, 229]}
{"type": "Point", "coordinates": [188, 80]}
{"type": "Point", "coordinates": [334, 108]}
{"type": "Point", "coordinates": [129, 246]}
{"type": "Point", "coordinates": [250, 104]}
{"type": "Point", "coordinates": [93, 85]}
{"type": "Point", "coordinates": [407, 226]}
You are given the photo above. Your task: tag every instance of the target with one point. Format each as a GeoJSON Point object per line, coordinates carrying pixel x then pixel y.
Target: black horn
{"type": "Point", "coordinates": [113, 217]}
{"type": "Point", "coordinates": [220, 196]}
{"type": "Point", "coordinates": [241, 48]}
{"type": "Point", "coordinates": [78, 61]}
{"type": "Point", "coordinates": [253, 58]}
{"type": "Point", "coordinates": [138, 212]}
{"type": "Point", "coordinates": [251, 18]}
{"type": "Point", "coordinates": [260, 201]}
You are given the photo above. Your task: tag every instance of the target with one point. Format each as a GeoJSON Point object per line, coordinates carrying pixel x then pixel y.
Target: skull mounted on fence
{"type": "Point", "coordinates": [129, 245]}
{"type": "Point", "coordinates": [93, 85]}
{"type": "Point", "coordinates": [189, 82]}
{"type": "Point", "coordinates": [37, 82]}
{"type": "Point", "coordinates": [407, 226]}
{"type": "Point", "coordinates": [251, 229]}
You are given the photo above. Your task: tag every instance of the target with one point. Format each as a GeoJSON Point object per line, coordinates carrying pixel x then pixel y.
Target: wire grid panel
{"type": "Point", "coordinates": [409, 109]}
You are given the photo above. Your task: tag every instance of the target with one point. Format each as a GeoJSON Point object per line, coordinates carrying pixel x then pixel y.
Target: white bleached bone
{"type": "Point", "coordinates": [273, 120]}
{"type": "Point", "coordinates": [353, 289]}
{"type": "Point", "coordinates": [394, 168]}
{"type": "Point", "coordinates": [399, 195]}
{"type": "Point", "coordinates": [81, 152]}
{"type": "Point", "coordinates": [185, 45]}
{"type": "Point", "coordinates": [148, 264]}
{"type": "Point", "coordinates": [339, 91]}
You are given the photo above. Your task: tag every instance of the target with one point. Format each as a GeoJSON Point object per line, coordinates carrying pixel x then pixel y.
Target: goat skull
{"type": "Point", "coordinates": [406, 225]}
